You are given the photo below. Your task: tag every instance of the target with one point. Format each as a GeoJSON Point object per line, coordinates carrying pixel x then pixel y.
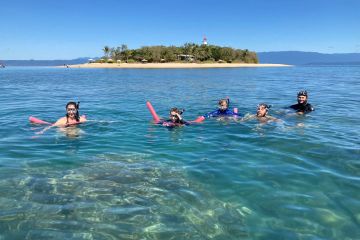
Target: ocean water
{"type": "Point", "coordinates": [119, 176]}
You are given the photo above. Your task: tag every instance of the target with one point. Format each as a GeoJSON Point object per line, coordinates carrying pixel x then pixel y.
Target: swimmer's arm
{"type": "Point", "coordinates": [83, 119]}
{"type": "Point", "coordinates": [247, 117]}
{"type": "Point", "coordinates": [211, 114]}
{"type": "Point", "coordinates": [45, 129]}
{"type": "Point", "coordinates": [274, 119]}
{"type": "Point", "coordinates": [59, 123]}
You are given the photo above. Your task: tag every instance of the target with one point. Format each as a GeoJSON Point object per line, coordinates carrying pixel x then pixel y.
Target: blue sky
{"type": "Point", "coordinates": [66, 29]}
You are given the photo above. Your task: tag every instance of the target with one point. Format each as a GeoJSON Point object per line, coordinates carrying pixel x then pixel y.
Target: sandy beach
{"type": "Point", "coordinates": [174, 65]}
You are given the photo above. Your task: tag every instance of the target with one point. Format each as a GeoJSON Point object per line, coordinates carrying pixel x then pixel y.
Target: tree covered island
{"type": "Point", "coordinates": [189, 52]}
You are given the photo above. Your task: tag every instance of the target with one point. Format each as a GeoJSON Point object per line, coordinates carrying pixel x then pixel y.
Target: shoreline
{"type": "Point", "coordinates": [174, 65]}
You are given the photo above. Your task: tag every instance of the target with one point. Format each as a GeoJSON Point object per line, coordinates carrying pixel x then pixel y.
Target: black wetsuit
{"type": "Point", "coordinates": [169, 123]}
{"type": "Point", "coordinates": [304, 108]}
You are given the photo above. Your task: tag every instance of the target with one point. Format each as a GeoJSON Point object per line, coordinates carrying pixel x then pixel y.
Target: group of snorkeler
{"type": "Point", "coordinates": [73, 117]}
{"type": "Point", "coordinates": [301, 107]}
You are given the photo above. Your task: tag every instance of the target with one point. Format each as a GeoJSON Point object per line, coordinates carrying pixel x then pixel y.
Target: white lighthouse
{"type": "Point", "coordinates": [204, 41]}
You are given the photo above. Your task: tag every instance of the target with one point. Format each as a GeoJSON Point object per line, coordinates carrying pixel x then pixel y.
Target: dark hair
{"type": "Point", "coordinates": [264, 105]}
{"type": "Point", "coordinates": [77, 115]}
{"type": "Point", "coordinates": [179, 111]}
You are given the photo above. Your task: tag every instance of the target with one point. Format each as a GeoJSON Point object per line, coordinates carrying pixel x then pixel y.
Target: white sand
{"type": "Point", "coordinates": [174, 65]}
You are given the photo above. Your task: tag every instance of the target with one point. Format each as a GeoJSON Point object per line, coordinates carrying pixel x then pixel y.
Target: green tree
{"type": "Point", "coordinates": [106, 51]}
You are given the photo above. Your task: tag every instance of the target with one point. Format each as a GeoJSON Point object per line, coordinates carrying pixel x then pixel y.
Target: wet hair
{"type": "Point", "coordinates": [267, 107]}
{"type": "Point", "coordinates": [179, 111]}
{"type": "Point", "coordinates": [77, 115]}
{"type": "Point", "coordinates": [302, 93]}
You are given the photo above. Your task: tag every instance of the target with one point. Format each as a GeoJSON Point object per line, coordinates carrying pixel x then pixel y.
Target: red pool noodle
{"type": "Point", "coordinates": [38, 121]}
{"type": "Point", "coordinates": [152, 111]}
{"type": "Point", "coordinates": [199, 119]}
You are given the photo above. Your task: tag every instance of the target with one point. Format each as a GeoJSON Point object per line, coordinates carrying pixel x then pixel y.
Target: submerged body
{"type": "Point", "coordinates": [221, 113]}
{"type": "Point", "coordinates": [71, 118]}
{"type": "Point", "coordinates": [302, 106]}
{"type": "Point", "coordinates": [261, 114]}
{"type": "Point", "coordinates": [68, 121]}
{"type": "Point", "coordinates": [223, 110]}
{"type": "Point", "coordinates": [175, 119]}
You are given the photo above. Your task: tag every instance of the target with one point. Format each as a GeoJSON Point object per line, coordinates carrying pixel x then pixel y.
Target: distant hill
{"type": "Point", "coordinates": [304, 58]}
{"type": "Point", "coordinates": [43, 62]}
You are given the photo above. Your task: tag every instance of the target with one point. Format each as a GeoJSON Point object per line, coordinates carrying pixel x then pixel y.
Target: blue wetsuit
{"type": "Point", "coordinates": [221, 113]}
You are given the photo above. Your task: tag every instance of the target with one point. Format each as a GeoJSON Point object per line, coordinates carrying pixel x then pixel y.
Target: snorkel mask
{"type": "Point", "coordinates": [174, 117]}
{"type": "Point", "coordinates": [263, 105]}
{"type": "Point", "coordinates": [77, 106]}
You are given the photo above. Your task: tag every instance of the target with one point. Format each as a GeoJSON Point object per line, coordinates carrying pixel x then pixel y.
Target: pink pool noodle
{"type": "Point", "coordinates": [152, 111]}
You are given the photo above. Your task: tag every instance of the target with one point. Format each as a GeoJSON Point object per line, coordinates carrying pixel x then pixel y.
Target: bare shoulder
{"type": "Point", "coordinates": [60, 122]}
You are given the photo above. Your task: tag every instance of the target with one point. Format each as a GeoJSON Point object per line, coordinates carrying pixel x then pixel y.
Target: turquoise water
{"type": "Point", "coordinates": [121, 177]}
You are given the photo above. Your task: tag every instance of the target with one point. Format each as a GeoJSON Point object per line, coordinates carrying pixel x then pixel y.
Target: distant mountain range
{"type": "Point", "coordinates": [43, 62]}
{"type": "Point", "coordinates": [308, 58]}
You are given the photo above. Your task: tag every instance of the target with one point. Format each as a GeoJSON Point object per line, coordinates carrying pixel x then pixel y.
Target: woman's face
{"type": "Point", "coordinates": [71, 110]}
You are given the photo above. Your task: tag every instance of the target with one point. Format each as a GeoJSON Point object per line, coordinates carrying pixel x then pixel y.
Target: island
{"type": "Point", "coordinates": [189, 55]}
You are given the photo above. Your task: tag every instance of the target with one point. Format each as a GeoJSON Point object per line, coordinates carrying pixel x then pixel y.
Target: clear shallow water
{"type": "Point", "coordinates": [121, 177]}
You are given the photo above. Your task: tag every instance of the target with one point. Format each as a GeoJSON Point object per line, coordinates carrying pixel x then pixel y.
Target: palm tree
{"type": "Point", "coordinates": [125, 52]}
{"type": "Point", "coordinates": [106, 50]}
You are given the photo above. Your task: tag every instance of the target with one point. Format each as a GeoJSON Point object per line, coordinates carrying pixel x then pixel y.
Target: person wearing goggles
{"type": "Point", "coordinates": [175, 118]}
{"type": "Point", "coordinates": [262, 115]}
{"type": "Point", "coordinates": [223, 110]}
{"type": "Point", "coordinates": [72, 116]}
{"type": "Point", "coordinates": [302, 105]}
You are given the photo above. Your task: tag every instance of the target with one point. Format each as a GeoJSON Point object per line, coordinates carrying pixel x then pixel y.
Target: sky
{"type": "Point", "coordinates": [68, 29]}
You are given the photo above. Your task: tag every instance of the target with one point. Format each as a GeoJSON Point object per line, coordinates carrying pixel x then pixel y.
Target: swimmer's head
{"type": "Point", "coordinates": [262, 109]}
{"type": "Point", "coordinates": [174, 114]}
{"type": "Point", "coordinates": [72, 110]}
{"type": "Point", "coordinates": [223, 104]}
{"type": "Point", "coordinates": [302, 97]}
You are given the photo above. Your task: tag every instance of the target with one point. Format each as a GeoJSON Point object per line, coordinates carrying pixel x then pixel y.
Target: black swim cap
{"type": "Point", "coordinates": [302, 93]}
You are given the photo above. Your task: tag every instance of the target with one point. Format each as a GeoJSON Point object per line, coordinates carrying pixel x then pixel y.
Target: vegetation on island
{"type": "Point", "coordinates": [189, 52]}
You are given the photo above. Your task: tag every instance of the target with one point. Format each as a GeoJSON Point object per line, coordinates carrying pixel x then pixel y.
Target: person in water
{"type": "Point", "coordinates": [262, 114]}
{"type": "Point", "coordinates": [175, 118]}
{"type": "Point", "coordinates": [72, 117]}
{"type": "Point", "coordinates": [223, 110]}
{"type": "Point", "coordinates": [302, 106]}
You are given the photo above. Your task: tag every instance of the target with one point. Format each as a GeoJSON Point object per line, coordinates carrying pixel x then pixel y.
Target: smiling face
{"type": "Point", "coordinates": [302, 99]}
{"type": "Point", "coordinates": [71, 110]}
